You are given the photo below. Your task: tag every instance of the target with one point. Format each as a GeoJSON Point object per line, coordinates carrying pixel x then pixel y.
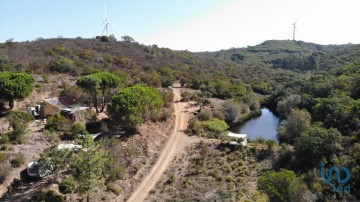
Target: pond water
{"type": "Point", "coordinates": [264, 126]}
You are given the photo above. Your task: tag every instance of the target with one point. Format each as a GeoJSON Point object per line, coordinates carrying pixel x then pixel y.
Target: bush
{"type": "Point", "coordinates": [116, 172]}
{"type": "Point", "coordinates": [205, 115]}
{"type": "Point", "coordinates": [3, 157]}
{"type": "Point", "coordinates": [63, 65]}
{"type": "Point", "coordinates": [18, 160]}
{"type": "Point", "coordinates": [4, 172]}
{"type": "Point", "coordinates": [171, 179]}
{"type": "Point", "coordinates": [50, 196]}
{"type": "Point", "coordinates": [85, 55]}
{"type": "Point", "coordinates": [116, 189]}
{"type": "Point", "coordinates": [215, 125]}
{"type": "Point", "coordinates": [279, 186]}
{"type": "Point", "coordinates": [77, 128]}
{"type": "Point", "coordinates": [58, 123]}
{"type": "Point", "coordinates": [4, 138]}
{"type": "Point", "coordinates": [19, 122]}
{"type": "Point", "coordinates": [67, 185]}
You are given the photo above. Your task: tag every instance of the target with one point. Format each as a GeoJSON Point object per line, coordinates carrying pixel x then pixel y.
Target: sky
{"type": "Point", "coordinates": [194, 25]}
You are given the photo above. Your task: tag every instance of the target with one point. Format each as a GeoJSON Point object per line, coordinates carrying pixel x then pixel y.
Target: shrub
{"type": "Point", "coordinates": [4, 172]}
{"type": "Point", "coordinates": [205, 115]}
{"type": "Point", "coordinates": [18, 121]}
{"type": "Point", "coordinates": [4, 138]}
{"type": "Point", "coordinates": [215, 125]}
{"type": "Point", "coordinates": [116, 189]}
{"type": "Point", "coordinates": [171, 179]}
{"type": "Point", "coordinates": [63, 65]}
{"type": "Point", "coordinates": [58, 123]}
{"type": "Point", "coordinates": [18, 160]}
{"type": "Point", "coordinates": [4, 147]}
{"type": "Point", "coordinates": [116, 172]}
{"type": "Point", "coordinates": [3, 157]}
{"type": "Point", "coordinates": [77, 128]}
{"type": "Point", "coordinates": [67, 185]}
{"type": "Point", "coordinates": [86, 55]}
{"type": "Point", "coordinates": [279, 186]}
{"type": "Point", "coordinates": [50, 196]}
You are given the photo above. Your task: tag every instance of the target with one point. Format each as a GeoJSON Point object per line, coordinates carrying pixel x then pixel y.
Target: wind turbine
{"type": "Point", "coordinates": [294, 29]}
{"type": "Point", "coordinates": [106, 22]}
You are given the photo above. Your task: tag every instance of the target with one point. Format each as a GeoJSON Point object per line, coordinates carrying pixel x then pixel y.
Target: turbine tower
{"type": "Point", "coordinates": [294, 29]}
{"type": "Point", "coordinates": [106, 22]}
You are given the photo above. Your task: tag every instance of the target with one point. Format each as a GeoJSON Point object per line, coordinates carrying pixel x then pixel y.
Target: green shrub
{"type": "Point", "coordinates": [58, 123]}
{"type": "Point", "coordinates": [4, 172]}
{"type": "Point", "coordinates": [171, 179]}
{"type": "Point", "coordinates": [279, 186]}
{"type": "Point", "coordinates": [50, 196]}
{"type": "Point", "coordinates": [18, 160]}
{"type": "Point", "coordinates": [4, 138]}
{"type": "Point", "coordinates": [214, 125]}
{"type": "Point", "coordinates": [116, 172]}
{"type": "Point", "coordinates": [86, 55]}
{"type": "Point", "coordinates": [77, 128]}
{"type": "Point", "coordinates": [4, 147]}
{"type": "Point", "coordinates": [205, 115]}
{"type": "Point", "coordinates": [19, 122]}
{"type": "Point", "coordinates": [67, 185]}
{"type": "Point", "coordinates": [3, 157]}
{"type": "Point", "coordinates": [116, 189]}
{"type": "Point", "coordinates": [63, 65]}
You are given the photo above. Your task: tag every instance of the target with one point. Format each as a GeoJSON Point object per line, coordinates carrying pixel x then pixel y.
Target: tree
{"type": "Point", "coordinates": [15, 86]}
{"type": "Point", "coordinates": [231, 111]}
{"type": "Point", "coordinates": [297, 122]}
{"type": "Point", "coordinates": [100, 84]}
{"type": "Point", "coordinates": [127, 39]}
{"type": "Point", "coordinates": [88, 167]}
{"type": "Point", "coordinates": [134, 105]}
{"type": "Point", "coordinates": [52, 160]}
{"type": "Point", "coordinates": [317, 144]}
{"type": "Point", "coordinates": [77, 128]}
{"type": "Point", "coordinates": [279, 186]}
{"type": "Point", "coordinates": [284, 106]}
{"type": "Point", "coordinates": [18, 121]}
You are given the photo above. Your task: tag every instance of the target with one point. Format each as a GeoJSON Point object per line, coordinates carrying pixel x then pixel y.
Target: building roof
{"type": "Point", "coordinates": [236, 135]}
{"type": "Point", "coordinates": [60, 102]}
{"type": "Point", "coordinates": [69, 146]}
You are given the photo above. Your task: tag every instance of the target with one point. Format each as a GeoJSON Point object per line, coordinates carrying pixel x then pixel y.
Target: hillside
{"type": "Point", "coordinates": [289, 54]}
{"type": "Point", "coordinates": [314, 89]}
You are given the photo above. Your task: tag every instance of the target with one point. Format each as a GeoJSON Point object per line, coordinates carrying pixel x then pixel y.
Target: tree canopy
{"type": "Point", "coordinates": [279, 186]}
{"type": "Point", "coordinates": [134, 105]}
{"type": "Point", "coordinates": [15, 86]}
{"type": "Point", "coordinates": [101, 86]}
{"type": "Point", "coordinates": [317, 144]}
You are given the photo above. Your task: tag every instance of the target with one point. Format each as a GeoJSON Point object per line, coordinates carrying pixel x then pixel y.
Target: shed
{"type": "Point", "coordinates": [234, 138]}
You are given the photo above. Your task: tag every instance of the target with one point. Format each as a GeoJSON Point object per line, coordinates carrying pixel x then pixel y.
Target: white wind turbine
{"type": "Point", "coordinates": [294, 29]}
{"type": "Point", "coordinates": [107, 23]}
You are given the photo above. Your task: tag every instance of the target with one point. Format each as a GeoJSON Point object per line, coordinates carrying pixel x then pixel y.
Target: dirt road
{"type": "Point", "coordinates": [177, 141]}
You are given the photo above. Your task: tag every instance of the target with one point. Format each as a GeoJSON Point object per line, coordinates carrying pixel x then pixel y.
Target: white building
{"type": "Point", "coordinates": [234, 138]}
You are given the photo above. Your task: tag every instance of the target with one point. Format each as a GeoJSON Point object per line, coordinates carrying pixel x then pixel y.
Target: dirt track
{"type": "Point", "coordinates": [177, 141]}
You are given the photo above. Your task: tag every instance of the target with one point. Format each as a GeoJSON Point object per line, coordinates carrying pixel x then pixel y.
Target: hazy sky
{"type": "Point", "coordinates": [196, 25]}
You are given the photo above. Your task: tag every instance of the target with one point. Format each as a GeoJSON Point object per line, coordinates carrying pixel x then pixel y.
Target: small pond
{"type": "Point", "coordinates": [264, 126]}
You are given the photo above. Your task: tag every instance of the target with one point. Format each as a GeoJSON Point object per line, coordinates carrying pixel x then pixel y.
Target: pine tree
{"type": "Point", "coordinates": [88, 167]}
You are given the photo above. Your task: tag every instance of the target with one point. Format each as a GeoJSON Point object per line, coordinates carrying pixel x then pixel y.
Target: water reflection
{"type": "Point", "coordinates": [264, 126]}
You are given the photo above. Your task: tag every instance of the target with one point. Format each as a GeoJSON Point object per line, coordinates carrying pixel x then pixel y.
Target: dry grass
{"type": "Point", "coordinates": [212, 172]}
